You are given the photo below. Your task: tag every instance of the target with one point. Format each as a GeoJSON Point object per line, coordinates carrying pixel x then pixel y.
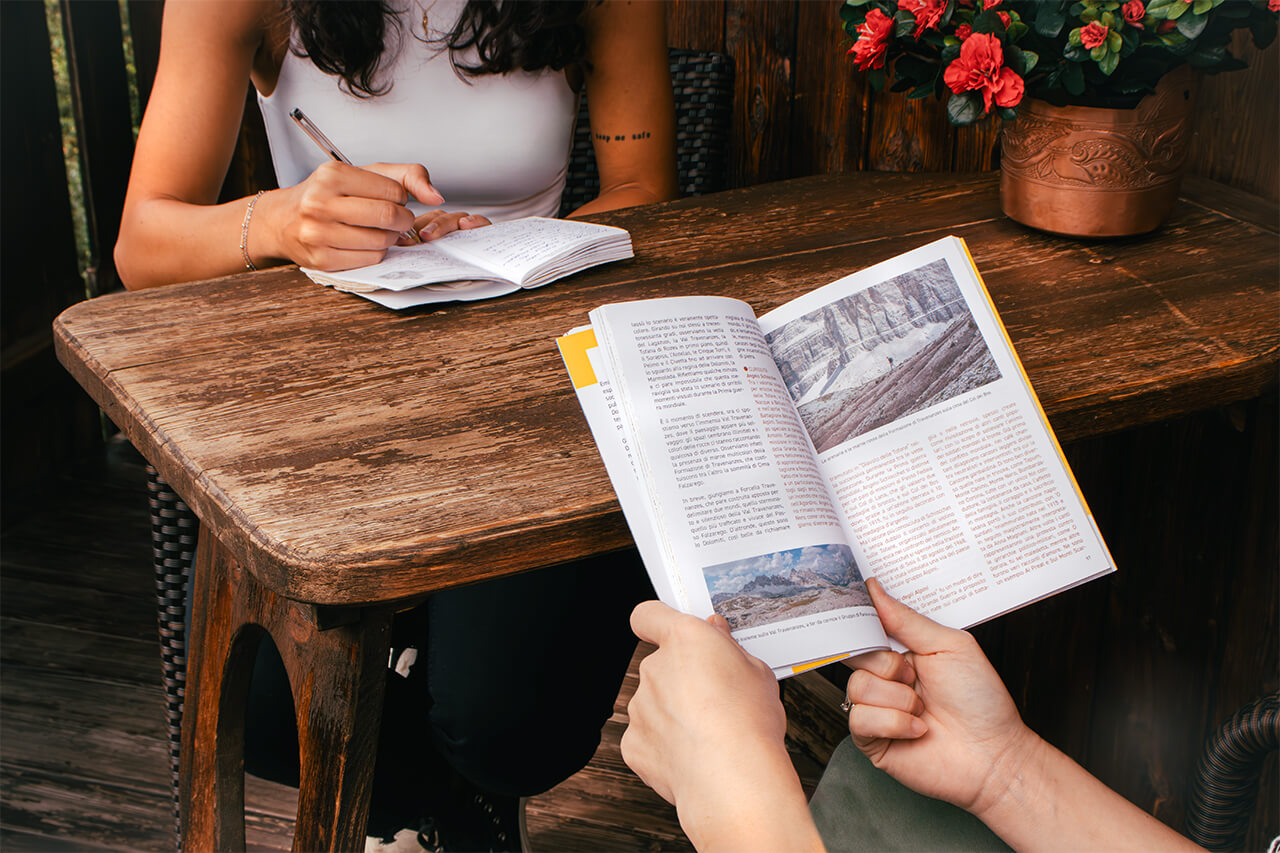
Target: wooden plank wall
{"type": "Point", "coordinates": [802, 109]}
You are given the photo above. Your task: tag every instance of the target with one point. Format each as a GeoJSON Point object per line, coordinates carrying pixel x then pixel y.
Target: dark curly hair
{"type": "Point", "coordinates": [346, 37]}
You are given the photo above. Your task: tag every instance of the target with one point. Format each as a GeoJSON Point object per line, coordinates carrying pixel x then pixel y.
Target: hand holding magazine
{"type": "Point", "coordinates": [880, 426]}
{"type": "Point", "coordinates": [483, 262]}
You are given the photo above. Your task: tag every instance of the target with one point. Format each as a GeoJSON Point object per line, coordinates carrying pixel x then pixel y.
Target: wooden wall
{"type": "Point", "coordinates": [802, 109]}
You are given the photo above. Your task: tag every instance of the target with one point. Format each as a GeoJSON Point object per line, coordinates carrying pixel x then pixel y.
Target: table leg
{"type": "Point", "coordinates": [337, 677]}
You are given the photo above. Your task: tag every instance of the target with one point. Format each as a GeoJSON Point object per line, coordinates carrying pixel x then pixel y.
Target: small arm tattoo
{"type": "Point", "coordinates": [621, 137]}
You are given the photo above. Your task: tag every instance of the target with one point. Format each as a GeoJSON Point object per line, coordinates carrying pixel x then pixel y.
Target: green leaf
{"type": "Point", "coordinates": [1017, 30]}
{"type": "Point", "coordinates": [1099, 53]}
{"type": "Point", "coordinates": [1076, 9]}
{"type": "Point", "coordinates": [1014, 59]}
{"type": "Point", "coordinates": [1075, 53]}
{"type": "Point", "coordinates": [876, 78]}
{"type": "Point", "coordinates": [1201, 6]}
{"type": "Point", "coordinates": [1073, 37]}
{"type": "Point", "coordinates": [950, 53]}
{"type": "Point", "coordinates": [988, 22]}
{"type": "Point", "coordinates": [1050, 19]}
{"type": "Point", "coordinates": [1114, 42]}
{"type": "Point", "coordinates": [1007, 113]}
{"type": "Point", "coordinates": [1208, 56]}
{"type": "Point", "coordinates": [1031, 58]}
{"type": "Point", "coordinates": [1073, 79]}
{"type": "Point", "coordinates": [1108, 63]}
{"type": "Point", "coordinates": [964, 108]}
{"type": "Point", "coordinates": [922, 91]}
{"type": "Point", "coordinates": [1161, 7]}
{"type": "Point", "coordinates": [1263, 29]}
{"type": "Point", "coordinates": [904, 23]}
{"type": "Point", "coordinates": [1192, 25]}
{"type": "Point", "coordinates": [901, 85]}
{"type": "Point", "coordinates": [1177, 11]}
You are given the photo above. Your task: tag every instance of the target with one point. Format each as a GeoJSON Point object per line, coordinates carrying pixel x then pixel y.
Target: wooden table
{"type": "Point", "coordinates": [349, 460]}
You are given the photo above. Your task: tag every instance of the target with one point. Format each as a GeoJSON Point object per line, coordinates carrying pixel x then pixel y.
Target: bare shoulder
{"type": "Point", "coordinates": [203, 26]}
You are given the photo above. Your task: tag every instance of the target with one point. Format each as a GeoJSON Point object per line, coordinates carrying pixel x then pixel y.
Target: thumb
{"type": "Point", "coordinates": [415, 178]}
{"type": "Point", "coordinates": [918, 633]}
{"type": "Point", "coordinates": [652, 621]}
{"type": "Point", "coordinates": [721, 624]}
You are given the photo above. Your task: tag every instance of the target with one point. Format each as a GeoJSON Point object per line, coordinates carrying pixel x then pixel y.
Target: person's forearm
{"type": "Point", "coordinates": [1043, 800]}
{"type": "Point", "coordinates": [165, 241]}
{"type": "Point", "coordinates": [620, 197]}
{"type": "Point", "coordinates": [753, 811]}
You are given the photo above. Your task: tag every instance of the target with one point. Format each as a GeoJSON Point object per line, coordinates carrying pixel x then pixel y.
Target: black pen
{"type": "Point", "coordinates": [318, 137]}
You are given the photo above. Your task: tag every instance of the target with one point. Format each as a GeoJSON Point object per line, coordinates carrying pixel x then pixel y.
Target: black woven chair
{"type": "Point", "coordinates": [703, 84]}
{"type": "Point", "coordinates": [173, 547]}
{"type": "Point", "coordinates": [1224, 793]}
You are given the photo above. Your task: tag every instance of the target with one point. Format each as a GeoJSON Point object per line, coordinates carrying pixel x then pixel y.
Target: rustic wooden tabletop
{"type": "Point", "coordinates": [347, 454]}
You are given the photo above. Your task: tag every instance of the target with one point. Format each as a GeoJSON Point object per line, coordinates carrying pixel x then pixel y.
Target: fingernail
{"type": "Point", "coordinates": [430, 229]}
{"type": "Point", "coordinates": [918, 726]}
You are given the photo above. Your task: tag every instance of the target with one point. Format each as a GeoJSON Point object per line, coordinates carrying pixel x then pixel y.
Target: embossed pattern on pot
{"type": "Point", "coordinates": [1090, 172]}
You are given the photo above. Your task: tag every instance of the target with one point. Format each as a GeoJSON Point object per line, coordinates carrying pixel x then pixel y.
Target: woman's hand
{"type": "Point", "coordinates": [436, 223]}
{"type": "Point", "coordinates": [341, 216]}
{"type": "Point", "coordinates": [937, 719]}
{"type": "Point", "coordinates": [706, 732]}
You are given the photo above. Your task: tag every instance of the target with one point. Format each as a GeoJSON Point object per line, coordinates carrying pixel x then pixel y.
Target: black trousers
{"type": "Point", "coordinates": [513, 682]}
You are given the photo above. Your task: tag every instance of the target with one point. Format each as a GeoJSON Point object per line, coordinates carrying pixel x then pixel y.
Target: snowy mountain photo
{"type": "Point", "coordinates": [896, 348]}
{"type": "Point", "coordinates": [785, 584]}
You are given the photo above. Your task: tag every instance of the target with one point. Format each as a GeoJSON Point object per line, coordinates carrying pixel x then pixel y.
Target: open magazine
{"type": "Point", "coordinates": [483, 262]}
{"type": "Point", "coordinates": [880, 426]}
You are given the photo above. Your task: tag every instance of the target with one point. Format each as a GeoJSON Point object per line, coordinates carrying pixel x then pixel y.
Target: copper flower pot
{"type": "Point", "coordinates": [1088, 172]}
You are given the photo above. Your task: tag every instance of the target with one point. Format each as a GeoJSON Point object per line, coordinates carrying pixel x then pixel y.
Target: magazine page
{"type": "Point", "coordinates": [952, 487]}
{"type": "Point", "coordinates": [743, 518]}
{"type": "Point", "coordinates": [600, 405]}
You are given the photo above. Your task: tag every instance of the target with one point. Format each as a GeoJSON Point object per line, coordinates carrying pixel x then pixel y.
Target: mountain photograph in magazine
{"type": "Point", "coordinates": [882, 353]}
{"type": "Point", "coordinates": [781, 585]}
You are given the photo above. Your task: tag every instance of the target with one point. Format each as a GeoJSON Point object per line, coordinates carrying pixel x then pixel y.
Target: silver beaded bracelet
{"type": "Point", "coordinates": [244, 232]}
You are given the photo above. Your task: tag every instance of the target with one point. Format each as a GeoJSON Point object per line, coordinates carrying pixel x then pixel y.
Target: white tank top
{"type": "Point", "coordinates": [497, 145]}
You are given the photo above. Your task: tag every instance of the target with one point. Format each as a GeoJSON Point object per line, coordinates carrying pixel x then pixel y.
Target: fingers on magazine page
{"type": "Point", "coordinates": [947, 476]}
{"type": "Point", "coordinates": [718, 479]}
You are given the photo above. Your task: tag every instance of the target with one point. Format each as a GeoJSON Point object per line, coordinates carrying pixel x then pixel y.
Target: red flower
{"type": "Point", "coordinates": [1134, 12]}
{"type": "Point", "coordinates": [1166, 26]}
{"type": "Point", "coordinates": [980, 67]}
{"type": "Point", "coordinates": [1004, 18]}
{"type": "Point", "coordinates": [1093, 35]}
{"type": "Point", "coordinates": [927, 13]}
{"type": "Point", "coordinates": [1273, 5]}
{"type": "Point", "coordinates": [963, 31]}
{"type": "Point", "coordinates": [990, 4]}
{"type": "Point", "coordinates": [873, 37]}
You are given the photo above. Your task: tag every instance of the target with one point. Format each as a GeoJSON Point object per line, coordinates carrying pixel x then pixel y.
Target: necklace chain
{"type": "Point", "coordinates": [425, 28]}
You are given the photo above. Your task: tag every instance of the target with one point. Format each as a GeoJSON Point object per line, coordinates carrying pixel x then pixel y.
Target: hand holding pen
{"type": "Point", "coordinates": [361, 194]}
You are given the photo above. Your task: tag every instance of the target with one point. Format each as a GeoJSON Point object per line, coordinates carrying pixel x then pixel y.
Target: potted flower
{"type": "Point", "coordinates": [1095, 94]}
